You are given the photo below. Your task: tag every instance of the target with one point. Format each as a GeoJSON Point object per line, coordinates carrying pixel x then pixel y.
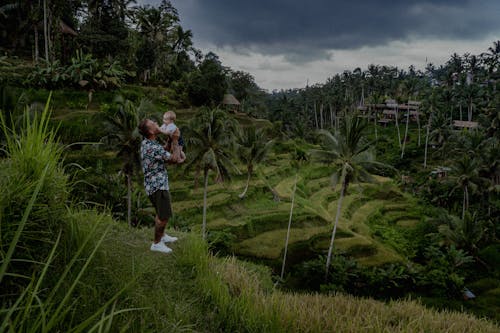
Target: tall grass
{"type": "Point", "coordinates": [244, 304]}
{"type": "Point", "coordinates": [39, 272]}
{"type": "Point", "coordinates": [32, 151]}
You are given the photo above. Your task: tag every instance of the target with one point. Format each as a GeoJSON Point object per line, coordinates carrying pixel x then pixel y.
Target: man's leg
{"type": "Point", "coordinates": [159, 228]}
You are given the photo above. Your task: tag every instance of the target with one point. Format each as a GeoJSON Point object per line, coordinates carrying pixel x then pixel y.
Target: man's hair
{"type": "Point", "coordinates": [170, 115]}
{"type": "Point", "coordinates": [143, 127]}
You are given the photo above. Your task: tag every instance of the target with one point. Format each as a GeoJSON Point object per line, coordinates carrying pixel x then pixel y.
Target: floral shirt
{"type": "Point", "coordinates": [153, 157]}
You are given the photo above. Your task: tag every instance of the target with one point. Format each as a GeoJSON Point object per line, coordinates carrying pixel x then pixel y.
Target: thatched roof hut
{"type": "Point", "coordinates": [229, 99]}
{"type": "Point", "coordinates": [66, 29]}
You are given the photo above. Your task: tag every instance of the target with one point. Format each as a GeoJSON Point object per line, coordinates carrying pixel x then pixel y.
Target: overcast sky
{"type": "Point", "coordinates": [287, 43]}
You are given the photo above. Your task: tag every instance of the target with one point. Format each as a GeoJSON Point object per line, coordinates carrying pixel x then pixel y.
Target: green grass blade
{"type": "Point", "coordinates": [20, 228]}
{"type": "Point", "coordinates": [69, 292]}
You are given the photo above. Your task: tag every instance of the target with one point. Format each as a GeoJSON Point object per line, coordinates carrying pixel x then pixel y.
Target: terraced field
{"type": "Point", "coordinates": [373, 218]}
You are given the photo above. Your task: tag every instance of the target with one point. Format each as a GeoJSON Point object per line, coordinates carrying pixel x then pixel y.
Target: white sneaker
{"type": "Point", "coordinates": [168, 239]}
{"type": "Point", "coordinates": [160, 247]}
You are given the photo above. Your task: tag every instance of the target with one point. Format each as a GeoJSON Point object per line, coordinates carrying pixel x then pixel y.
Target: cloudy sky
{"type": "Point", "coordinates": [289, 43]}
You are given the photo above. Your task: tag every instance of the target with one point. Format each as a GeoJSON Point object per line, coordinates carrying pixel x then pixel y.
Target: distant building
{"type": "Point", "coordinates": [230, 103]}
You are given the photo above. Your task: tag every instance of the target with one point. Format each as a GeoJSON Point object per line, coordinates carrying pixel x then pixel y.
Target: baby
{"type": "Point", "coordinates": [169, 129]}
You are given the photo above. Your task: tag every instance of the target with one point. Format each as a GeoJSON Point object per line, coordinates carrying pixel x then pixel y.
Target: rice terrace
{"type": "Point", "coordinates": [195, 166]}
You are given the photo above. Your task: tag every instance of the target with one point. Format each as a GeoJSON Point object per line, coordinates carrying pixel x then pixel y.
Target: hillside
{"type": "Point", "coordinates": [378, 230]}
{"type": "Point", "coordinates": [192, 291]}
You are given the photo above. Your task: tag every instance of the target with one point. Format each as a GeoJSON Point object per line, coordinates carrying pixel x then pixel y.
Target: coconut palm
{"type": "Point", "coordinates": [465, 233]}
{"type": "Point", "coordinates": [465, 174]}
{"type": "Point", "coordinates": [211, 146]}
{"type": "Point", "coordinates": [432, 104]}
{"type": "Point", "coordinates": [122, 124]}
{"type": "Point", "coordinates": [441, 132]}
{"type": "Point", "coordinates": [253, 147]}
{"type": "Point", "coordinates": [300, 158]}
{"type": "Point", "coordinates": [350, 154]}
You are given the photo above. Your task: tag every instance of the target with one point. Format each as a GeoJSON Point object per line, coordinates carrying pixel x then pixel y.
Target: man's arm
{"type": "Point", "coordinates": [162, 154]}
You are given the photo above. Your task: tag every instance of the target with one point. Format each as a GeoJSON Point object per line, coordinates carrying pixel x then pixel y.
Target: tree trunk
{"type": "Point", "coordinates": [242, 195]}
{"type": "Point", "coordinates": [397, 127]}
{"type": "Point", "coordinates": [460, 108]}
{"type": "Point", "coordinates": [45, 31]}
{"type": "Point", "coordinates": [37, 52]}
{"type": "Point", "coordinates": [465, 204]}
{"type": "Point", "coordinates": [288, 230]}
{"type": "Point", "coordinates": [205, 189]}
{"type": "Point", "coordinates": [49, 34]}
{"type": "Point", "coordinates": [331, 115]}
{"type": "Point", "coordinates": [427, 139]}
{"type": "Point", "coordinates": [418, 124]}
{"type": "Point", "coordinates": [470, 110]}
{"type": "Point", "coordinates": [337, 216]}
{"type": "Point", "coordinates": [129, 200]}
{"type": "Point", "coordinates": [375, 124]}
{"type": "Point", "coordinates": [321, 115]}
{"type": "Point", "coordinates": [406, 132]}
{"type": "Point", "coordinates": [315, 116]}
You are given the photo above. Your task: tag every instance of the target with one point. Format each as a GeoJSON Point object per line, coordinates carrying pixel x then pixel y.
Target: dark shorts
{"type": "Point", "coordinates": [161, 202]}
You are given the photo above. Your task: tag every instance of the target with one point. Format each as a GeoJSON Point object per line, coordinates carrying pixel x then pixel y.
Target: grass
{"type": "Point", "coordinates": [266, 245]}
{"type": "Point", "coordinates": [248, 304]}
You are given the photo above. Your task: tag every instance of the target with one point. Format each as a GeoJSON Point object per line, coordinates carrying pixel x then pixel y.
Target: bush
{"type": "Point", "coordinates": [83, 72]}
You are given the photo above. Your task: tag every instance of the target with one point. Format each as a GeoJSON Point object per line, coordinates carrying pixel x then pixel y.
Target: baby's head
{"type": "Point", "coordinates": [169, 117]}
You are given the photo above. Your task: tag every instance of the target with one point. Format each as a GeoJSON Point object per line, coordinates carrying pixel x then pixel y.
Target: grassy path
{"type": "Point", "coordinates": [161, 286]}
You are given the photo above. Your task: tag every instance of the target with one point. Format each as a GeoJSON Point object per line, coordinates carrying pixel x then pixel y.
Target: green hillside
{"type": "Point", "coordinates": [379, 230]}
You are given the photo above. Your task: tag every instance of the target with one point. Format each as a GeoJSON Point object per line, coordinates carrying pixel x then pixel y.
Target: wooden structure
{"type": "Point", "coordinates": [465, 124]}
{"type": "Point", "coordinates": [441, 172]}
{"type": "Point", "coordinates": [230, 103]}
{"type": "Point", "coordinates": [390, 110]}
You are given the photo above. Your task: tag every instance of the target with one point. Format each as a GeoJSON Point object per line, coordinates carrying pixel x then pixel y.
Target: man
{"type": "Point", "coordinates": [153, 157]}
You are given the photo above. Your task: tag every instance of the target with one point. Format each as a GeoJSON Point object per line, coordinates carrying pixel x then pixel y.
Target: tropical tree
{"type": "Point", "coordinates": [299, 158]}
{"type": "Point", "coordinates": [160, 34]}
{"type": "Point", "coordinates": [465, 233]}
{"type": "Point", "coordinates": [432, 104]}
{"type": "Point", "coordinates": [350, 154]}
{"type": "Point", "coordinates": [465, 175]}
{"type": "Point", "coordinates": [122, 121]}
{"type": "Point", "coordinates": [207, 84]}
{"type": "Point", "coordinates": [253, 147]}
{"type": "Point", "coordinates": [211, 146]}
{"type": "Point", "coordinates": [440, 133]}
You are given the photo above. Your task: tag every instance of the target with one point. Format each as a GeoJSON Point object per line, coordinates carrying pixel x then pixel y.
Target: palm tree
{"type": "Point", "coordinates": [351, 156]}
{"type": "Point", "coordinates": [211, 147]}
{"type": "Point", "coordinates": [465, 233]}
{"type": "Point", "coordinates": [158, 25]}
{"type": "Point", "coordinates": [440, 131]}
{"type": "Point", "coordinates": [122, 124]}
{"type": "Point", "coordinates": [492, 57]}
{"type": "Point", "coordinates": [253, 148]}
{"type": "Point", "coordinates": [289, 227]}
{"type": "Point", "coordinates": [432, 104]}
{"type": "Point", "coordinates": [465, 173]}
{"type": "Point", "coordinates": [300, 157]}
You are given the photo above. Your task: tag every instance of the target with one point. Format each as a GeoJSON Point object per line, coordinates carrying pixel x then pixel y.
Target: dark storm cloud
{"type": "Point", "coordinates": [306, 30]}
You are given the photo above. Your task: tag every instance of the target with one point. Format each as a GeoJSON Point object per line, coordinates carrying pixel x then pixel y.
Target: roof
{"type": "Point", "coordinates": [465, 124]}
{"type": "Point", "coordinates": [66, 29]}
{"type": "Point", "coordinates": [230, 100]}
